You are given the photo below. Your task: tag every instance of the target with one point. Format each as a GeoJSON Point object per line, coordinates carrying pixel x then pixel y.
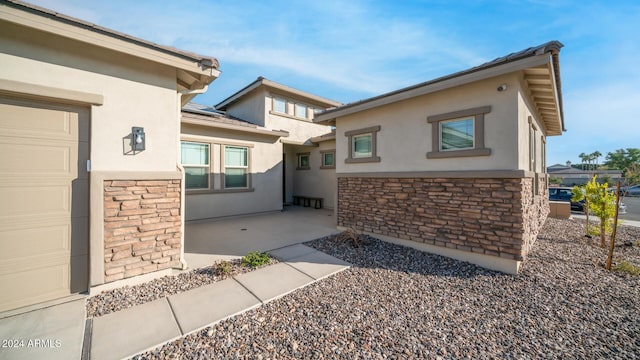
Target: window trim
{"type": "Point", "coordinates": [299, 157]}
{"type": "Point", "coordinates": [223, 168]}
{"type": "Point", "coordinates": [477, 115]}
{"type": "Point", "coordinates": [322, 163]}
{"type": "Point", "coordinates": [295, 110]}
{"type": "Point", "coordinates": [217, 168]}
{"type": "Point", "coordinates": [373, 130]}
{"type": "Point", "coordinates": [273, 105]}
{"type": "Point", "coordinates": [208, 166]}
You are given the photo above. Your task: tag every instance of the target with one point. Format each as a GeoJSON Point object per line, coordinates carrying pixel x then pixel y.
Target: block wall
{"type": "Point", "coordinates": [142, 227]}
{"type": "Point", "coordinates": [497, 217]}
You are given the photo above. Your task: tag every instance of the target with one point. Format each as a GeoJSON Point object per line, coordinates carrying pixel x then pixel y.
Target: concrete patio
{"type": "Point", "coordinates": [207, 241]}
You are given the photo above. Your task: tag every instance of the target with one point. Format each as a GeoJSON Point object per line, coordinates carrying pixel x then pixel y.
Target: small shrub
{"type": "Point", "coordinates": [223, 268]}
{"type": "Point", "coordinates": [353, 237]}
{"type": "Point", "coordinates": [255, 259]}
{"type": "Point", "coordinates": [628, 268]}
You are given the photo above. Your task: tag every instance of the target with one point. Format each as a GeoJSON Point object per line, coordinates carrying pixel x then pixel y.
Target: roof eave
{"type": "Point", "coordinates": [204, 69]}
{"type": "Point", "coordinates": [220, 125]}
{"type": "Point", "coordinates": [329, 116]}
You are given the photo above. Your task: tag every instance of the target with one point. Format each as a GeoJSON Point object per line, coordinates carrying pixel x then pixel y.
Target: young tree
{"type": "Point", "coordinates": [600, 202]}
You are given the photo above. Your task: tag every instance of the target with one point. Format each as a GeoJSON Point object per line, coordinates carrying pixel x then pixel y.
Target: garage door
{"type": "Point", "coordinates": [43, 202]}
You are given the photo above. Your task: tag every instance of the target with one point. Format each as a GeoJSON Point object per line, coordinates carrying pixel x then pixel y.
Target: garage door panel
{"type": "Point", "coordinates": [36, 200]}
{"type": "Point", "coordinates": [22, 121]}
{"type": "Point", "coordinates": [25, 158]}
{"type": "Point", "coordinates": [33, 286]}
{"type": "Point", "coordinates": [22, 243]}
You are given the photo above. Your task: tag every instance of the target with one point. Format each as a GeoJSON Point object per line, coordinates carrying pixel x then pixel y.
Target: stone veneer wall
{"type": "Point", "coordinates": [142, 227]}
{"type": "Point", "coordinates": [498, 217]}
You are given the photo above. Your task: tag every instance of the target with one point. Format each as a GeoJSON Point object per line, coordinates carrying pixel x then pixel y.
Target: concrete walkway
{"type": "Point", "coordinates": [143, 327]}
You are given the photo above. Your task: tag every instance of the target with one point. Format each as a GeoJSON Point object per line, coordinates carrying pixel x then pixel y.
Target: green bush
{"type": "Point", "coordinates": [628, 268]}
{"type": "Point", "coordinates": [223, 268]}
{"type": "Point", "coordinates": [255, 259]}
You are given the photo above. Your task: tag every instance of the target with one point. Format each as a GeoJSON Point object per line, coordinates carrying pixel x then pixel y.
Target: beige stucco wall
{"type": "Point", "coordinates": [315, 181]}
{"type": "Point", "coordinates": [405, 136]}
{"type": "Point", "coordinates": [526, 110]}
{"type": "Point", "coordinates": [265, 162]}
{"type": "Point", "coordinates": [250, 107]}
{"type": "Point", "coordinates": [136, 93]}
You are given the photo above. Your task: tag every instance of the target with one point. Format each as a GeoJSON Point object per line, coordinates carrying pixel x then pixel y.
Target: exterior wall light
{"type": "Point", "coordinates": [138, 138]}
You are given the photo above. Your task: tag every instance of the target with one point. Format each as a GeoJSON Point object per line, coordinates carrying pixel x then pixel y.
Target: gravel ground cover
{"type": "Point", "coordinates": [125, 297]}
{"type": "Point", "coordinates": [396, 302]}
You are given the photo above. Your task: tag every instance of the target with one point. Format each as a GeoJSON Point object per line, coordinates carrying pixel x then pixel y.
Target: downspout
{"type": "Point", "coordinates": [183, 197]}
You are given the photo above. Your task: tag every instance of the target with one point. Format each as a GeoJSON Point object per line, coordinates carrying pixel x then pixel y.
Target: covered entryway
{"type": "Point", "coordinates": [43, 201]}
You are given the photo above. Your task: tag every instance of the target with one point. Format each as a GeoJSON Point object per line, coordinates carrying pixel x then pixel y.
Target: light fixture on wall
{"type": "Point", "coordinates": [138, 138]}
{"type": "Point", "coordinates": [502, 87]}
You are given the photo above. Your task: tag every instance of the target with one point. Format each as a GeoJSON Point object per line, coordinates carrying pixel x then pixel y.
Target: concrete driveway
{"type": "Point", "coordinates": [207, 241]}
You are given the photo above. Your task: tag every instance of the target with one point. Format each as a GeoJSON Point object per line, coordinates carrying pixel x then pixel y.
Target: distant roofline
{"type": "Point", "coordinates": [204, 61]}
{"type": "Point", "coordinates": [261, 81]}
{"type": "Point", "coordinates": [552, 47]}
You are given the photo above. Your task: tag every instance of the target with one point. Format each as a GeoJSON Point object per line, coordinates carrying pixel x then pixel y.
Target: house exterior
{"type": "Point", "coordinates": [265, 135]}
{"type": "Point", "coordinates": [455, 166]}
{"type": "Point", "coordinates": [571, 176]}
{"type": "Point", "coordinates": [90, 171]}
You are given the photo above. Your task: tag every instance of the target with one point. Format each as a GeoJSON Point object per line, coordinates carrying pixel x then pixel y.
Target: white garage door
{"type": "Point", "coordinates": [43, 202]}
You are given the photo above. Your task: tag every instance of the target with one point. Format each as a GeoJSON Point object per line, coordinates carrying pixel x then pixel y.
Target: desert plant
{"type": "Point", "coordinates": [255, 259]}
{"type": "Point", "coordinates": [223, 268]}
{"type": "Point", "coordinates": [628, 268]}
{"type": "Point", "coordinates": [352, 236]}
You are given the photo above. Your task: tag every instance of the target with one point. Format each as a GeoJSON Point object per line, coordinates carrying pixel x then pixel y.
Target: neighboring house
{"type": "Point", "coordinates": [254, 151]}
{"type": "Point", "coordinates": [571, 176]}
{"type": "Point", "coordinates": [456, 165]}
{"type": "Point", "coordinates": [83, 204]}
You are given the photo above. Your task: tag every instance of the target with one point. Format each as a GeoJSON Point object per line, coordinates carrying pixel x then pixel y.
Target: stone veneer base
{"type": "Point", "coordinates": [486, 261]}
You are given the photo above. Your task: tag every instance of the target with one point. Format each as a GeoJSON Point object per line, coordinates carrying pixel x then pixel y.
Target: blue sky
{"type": "Point", "coordinates": [350, 50]}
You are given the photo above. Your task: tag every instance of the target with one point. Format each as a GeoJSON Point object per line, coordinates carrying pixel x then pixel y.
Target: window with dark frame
{"type": "Point", "coordinates": [328, 159]}
{"type": "Point", "coordinates": [362, 145]}
{"type": "Point", "coordinates": [303, 161]}
{"type": "Point", "coordinates": [458, 133]}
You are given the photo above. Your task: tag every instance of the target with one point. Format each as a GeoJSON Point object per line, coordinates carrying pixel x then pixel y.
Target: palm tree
{"type": "Point", "coordinates": [583, 158]}
{"type": "Point", "coordinates": [596, 155]}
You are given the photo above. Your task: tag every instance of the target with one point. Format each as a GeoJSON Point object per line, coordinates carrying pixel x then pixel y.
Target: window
{"type": "Point", "coordinates": [301, 111]}
{"type": "Point", "coordinates": [195, 160]}
{"type": "Point", "coordinates": [363, 145]}
{"type": "Point", "coordinates": [236, 167]}
{"type": "Point", "coordinates": [458, 133]}
{"type": "Point", "coordinates": [303, 161]}
{"type": "Point", "coordinates": [532, 145]}
{"type": "Point", "coordinates": [279, 105]}
{"type": "Point", "coordinates": [328, 159]}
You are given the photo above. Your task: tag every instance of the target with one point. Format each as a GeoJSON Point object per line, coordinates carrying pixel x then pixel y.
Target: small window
{"type": "Point", "coordinates": [303, 161]}
{"type": "Point", "coordinates": [456, 134]}
{"type": "Point", "coordinates": [236, 167]}
{"type": "Point", "coordinates": [195, 160]}
{"type": "Point", "coordinates": [363, 145]}
{"type": "Point", "coordinates": [279, 105]}
{"type": "Point", "coordinates": [328, 159]}
{"type": "Point", "coordinates": [301, 111]}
